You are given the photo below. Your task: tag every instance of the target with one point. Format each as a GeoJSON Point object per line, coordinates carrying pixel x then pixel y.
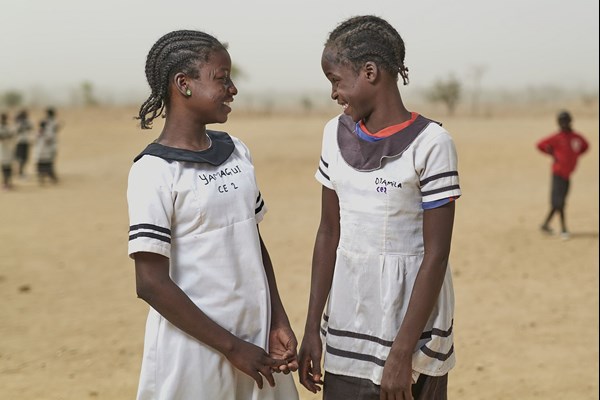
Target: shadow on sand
{"type": "Point", "coordinates": [584, 235]}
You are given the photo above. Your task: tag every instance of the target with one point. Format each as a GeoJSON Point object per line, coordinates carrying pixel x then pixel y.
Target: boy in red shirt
{"type": "Point", "coordinates": [565, 147]}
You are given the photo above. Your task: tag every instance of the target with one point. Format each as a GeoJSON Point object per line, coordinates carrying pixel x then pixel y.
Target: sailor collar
{"type": "Point", "coordinates": [367, 156]}
{"type": "Point", "coordinates": [220, 150]}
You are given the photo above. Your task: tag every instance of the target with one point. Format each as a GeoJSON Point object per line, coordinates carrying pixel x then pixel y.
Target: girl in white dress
{"type": "Point", "coordinates": [216, 326]}
{"type": "Point", "coordinates": [7, 150]}
{"type": "Point", "coordinates": [381, 254]}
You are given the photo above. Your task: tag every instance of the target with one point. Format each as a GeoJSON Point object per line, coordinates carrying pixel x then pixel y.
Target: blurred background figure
{"type": "Point", "coordinates": [46, 151]}
{"type": "Point", "coordinates": [565, 147]}
{"type": "Point", "coordinates": [7, 148]}
{"type": "Point", "coordinates": [23, 132]}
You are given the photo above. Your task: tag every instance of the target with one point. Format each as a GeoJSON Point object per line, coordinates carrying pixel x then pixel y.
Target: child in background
{"type": "Point", "coordinates": [565, 147]}
{"type": "Point", "coordinates": [7, 149]}
{"type": "Point", "coordinates": [381, 253]}
{"type": "Point", "coordinates": [46, 153]}
{"type": "Point", "coordinates": [217, 325]}
{"type": "Point", "coordinates": [23, 133]}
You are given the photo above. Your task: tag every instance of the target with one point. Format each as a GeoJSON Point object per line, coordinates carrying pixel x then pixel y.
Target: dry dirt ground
{"type": "Point", "coordinates": [526, 322]}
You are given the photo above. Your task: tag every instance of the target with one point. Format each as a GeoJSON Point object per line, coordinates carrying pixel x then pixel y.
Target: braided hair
{"type": "Point", "coordinates": [369, 38]}
{"type": "Point", "coordinates": [177, 51]}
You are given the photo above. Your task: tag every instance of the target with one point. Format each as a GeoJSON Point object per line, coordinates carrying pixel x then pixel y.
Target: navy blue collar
{"type": "Point", "coordinates": [367, 156]}
{"type": "Point", "coordinates": [220, 150]}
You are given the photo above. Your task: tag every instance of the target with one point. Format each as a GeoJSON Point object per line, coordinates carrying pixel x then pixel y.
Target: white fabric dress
{"type": "Point", "coordinates": [381, 189]}
{"type": "Point", "coordinates": [201, 209]}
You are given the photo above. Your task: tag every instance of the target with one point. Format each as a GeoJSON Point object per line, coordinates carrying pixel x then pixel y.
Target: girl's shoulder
{"type": "Point", "coordinates": [434, 132]}
{"type": "Point", "coordinates": [151, 164]}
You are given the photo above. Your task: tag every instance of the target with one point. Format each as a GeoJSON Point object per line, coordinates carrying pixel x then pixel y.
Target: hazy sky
{"type": "Point", "coordinates": [518, 43]}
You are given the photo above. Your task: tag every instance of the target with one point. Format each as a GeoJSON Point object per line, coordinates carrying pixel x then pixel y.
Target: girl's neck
{"type": "Point", "coordinates": [383, 118]}
{"type": "Point", "coordinates": [184, 136]}
{"type": "Point", "coordinates": [389, 111]}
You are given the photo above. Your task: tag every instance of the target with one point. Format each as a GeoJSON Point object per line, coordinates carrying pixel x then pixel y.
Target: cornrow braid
{"type": "Point", "coordinates": [177, 51]}
{"type": "Point", "coordinates": [369, 38]}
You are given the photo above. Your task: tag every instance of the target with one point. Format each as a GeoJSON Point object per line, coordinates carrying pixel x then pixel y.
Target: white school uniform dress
{"type": "Point", "coordinates": [201, 210]}
{"type": "Point", "coordinates": [382, 188]}
{"type": "Point", "coordinates": [46, 145]}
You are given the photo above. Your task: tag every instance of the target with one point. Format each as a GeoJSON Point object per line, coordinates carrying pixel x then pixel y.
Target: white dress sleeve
{"type": "Point", "coordinates": [437, 166]}
{"type": "Point", "coordinates": [150, 203]}
{"type": "Point", "coordinates": [260, 208]}
{"type": "Point", "coordinates": [328, 148]}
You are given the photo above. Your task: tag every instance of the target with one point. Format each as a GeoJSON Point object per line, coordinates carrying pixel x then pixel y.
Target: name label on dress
{"type": "Point", "coordinates": [382, 184]}
{"type": "Point", "coordinates": [208, 178]}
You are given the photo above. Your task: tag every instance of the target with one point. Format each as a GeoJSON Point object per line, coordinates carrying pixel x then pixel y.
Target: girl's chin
{"type": "Point", "coordinates": [348, 111]}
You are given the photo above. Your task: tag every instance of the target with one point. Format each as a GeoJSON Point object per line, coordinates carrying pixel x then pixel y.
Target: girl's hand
{"type": "Point", "coordinates": [254, 362]}
{"type": "Point", "coordinates": [282, 346]}
{"type": "Point", "coordinates": [310, 362]}
{"type": "Point", "coordinates": [396, 382]}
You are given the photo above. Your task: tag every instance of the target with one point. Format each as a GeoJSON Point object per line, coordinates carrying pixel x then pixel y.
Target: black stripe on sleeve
{"type": "Point", "coordinates": [444, 189]}
{"type": "Point", "coordinates": [260, 207]}
{"type": "Point", "coordinates": [151, 227]}
{"type": "Point", "coordinates": [438, 176]}
{"type": "Point", "coordinates": [324, 174]}
{"type": "Point", "coordinates": [258, 198]}
{"type": "Point", "coordinates": [326, 164]}
{"type": "Point", "coordinates": [150, 235]}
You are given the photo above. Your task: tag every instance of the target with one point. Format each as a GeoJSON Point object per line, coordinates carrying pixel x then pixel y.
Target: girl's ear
{"type": "Point", "coordinates": [371, 71]}
{"type": "Point", "coordinates": [180, 81]}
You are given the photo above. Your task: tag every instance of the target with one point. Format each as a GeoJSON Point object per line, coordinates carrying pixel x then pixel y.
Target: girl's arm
{"type": "Point", "coordinates": [154, 285]}
{"type": "Point", "coordinates": [323, 263]}
{"type": "Point", "coordinates": [282, 341]}
{"type": "Point", "coordinates": [437, 235]}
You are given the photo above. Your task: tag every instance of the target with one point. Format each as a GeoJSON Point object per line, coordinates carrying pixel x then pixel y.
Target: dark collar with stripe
{"type": "Point", "coordinates": [217, 154]}
{"type": "Point", "coordinates": [367, 156]}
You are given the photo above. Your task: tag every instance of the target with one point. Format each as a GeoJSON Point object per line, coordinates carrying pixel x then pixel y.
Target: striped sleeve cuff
{"type": "Point", "coordinates": [322, 174]}
{"type": "Point", "coordinates": [149, 238]}
{"type": "Point", "coordinates": [260, 209]}
{"type": "Point", "coordinates": [441, 186]}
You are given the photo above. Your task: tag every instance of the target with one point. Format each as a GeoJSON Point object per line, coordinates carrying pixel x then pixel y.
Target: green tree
{"type": "Point", "coordinates": [12, 98]}
{"type": "Point", "coordinates": [447, 92]}
{"type": "Point", "coordinates": [87, 92]}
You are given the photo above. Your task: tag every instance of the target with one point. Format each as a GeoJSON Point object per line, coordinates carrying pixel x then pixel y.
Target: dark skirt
{"type": "Point", "coordinates": [341, 387]}
{"type": "Point", "coordinates": [22, 152]}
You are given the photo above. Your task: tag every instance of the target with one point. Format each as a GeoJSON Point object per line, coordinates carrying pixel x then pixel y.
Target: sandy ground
{"type": "Point", "coordinates": [527, 304]}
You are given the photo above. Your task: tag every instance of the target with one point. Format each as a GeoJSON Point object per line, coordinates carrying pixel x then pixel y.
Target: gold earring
{"type": "Point", "coordinates": [188, 92]}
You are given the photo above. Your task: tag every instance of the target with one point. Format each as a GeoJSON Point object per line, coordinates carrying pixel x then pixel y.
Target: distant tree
{"type": "Point", "coordinates": [307, 104]}
{"type": "Point", "coordinates": [446, 91]}
{"type": "Point", "coordinates": [87, 93]}
{"type": "Point", "coordinates": [476, 74]}
{"type": "Point", "coordinates": [12, 98]}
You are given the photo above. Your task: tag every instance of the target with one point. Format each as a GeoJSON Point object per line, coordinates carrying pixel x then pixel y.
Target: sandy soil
{"type": "Point", "coordinates": [527, 304]}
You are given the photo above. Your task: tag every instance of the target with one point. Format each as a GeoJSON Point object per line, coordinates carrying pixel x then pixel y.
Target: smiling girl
{"type": "Point", "coordinates": [380, 260]}
{"type": "Point", "coordinates": [216, 326]}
